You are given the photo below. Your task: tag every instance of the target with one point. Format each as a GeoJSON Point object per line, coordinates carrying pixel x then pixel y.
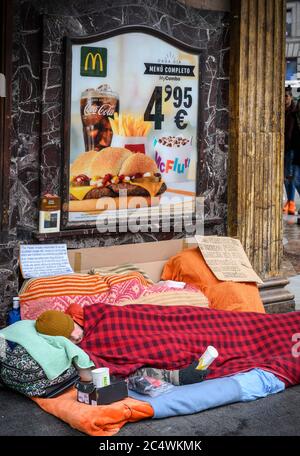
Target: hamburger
{"type": "Point", "coordinates": [96, 177]}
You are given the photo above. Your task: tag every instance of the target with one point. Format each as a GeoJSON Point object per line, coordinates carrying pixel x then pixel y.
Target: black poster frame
{"type": "Point", "coordinates": [69, 41]}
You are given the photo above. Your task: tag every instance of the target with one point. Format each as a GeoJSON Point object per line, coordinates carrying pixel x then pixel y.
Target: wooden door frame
{"type": "Point", "coordinates": [6, 27]}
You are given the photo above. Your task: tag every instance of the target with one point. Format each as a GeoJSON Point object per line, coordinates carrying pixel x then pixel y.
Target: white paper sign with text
{"type": "Point", "coordinates": [44, 260]}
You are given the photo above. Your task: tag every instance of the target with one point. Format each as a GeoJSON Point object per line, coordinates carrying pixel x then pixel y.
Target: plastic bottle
{"type": "Point", "coordinates": [14, 314]}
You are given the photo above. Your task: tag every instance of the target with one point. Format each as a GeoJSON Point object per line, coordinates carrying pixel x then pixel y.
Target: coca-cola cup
{"type": "Point", "coordinates": [96, 106]}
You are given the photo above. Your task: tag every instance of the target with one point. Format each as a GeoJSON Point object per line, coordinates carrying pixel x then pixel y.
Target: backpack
{"type": "Point", "coordinates": [19, 371]}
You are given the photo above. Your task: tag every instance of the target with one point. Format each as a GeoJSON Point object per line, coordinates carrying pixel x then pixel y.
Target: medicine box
{"type": "Point", "coordinates": [87, 393]}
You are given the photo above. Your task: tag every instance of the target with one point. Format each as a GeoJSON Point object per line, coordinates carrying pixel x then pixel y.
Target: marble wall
{"type": "Point", "coordinates": [37, 118]}
{"type": "Point", "coordinates": [38, 90]}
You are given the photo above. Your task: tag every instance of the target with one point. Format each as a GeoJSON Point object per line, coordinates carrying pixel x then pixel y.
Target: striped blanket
{"type": "Point", "coordinates": [59, 292]}
{"type": "Point", "coordinates": [74, 284]}
{"type": "Point", "coordinates": [168, 297]}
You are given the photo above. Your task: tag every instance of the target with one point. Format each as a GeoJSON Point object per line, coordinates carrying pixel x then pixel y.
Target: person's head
{"type": "Point", "coordinates": [288, 97]}
{"type": "Point", "coordinates": [75, 311]}
{"type": "Point", "coordinates": [77, 334]}
{"type": "Point", "coordinates": [56, 323]}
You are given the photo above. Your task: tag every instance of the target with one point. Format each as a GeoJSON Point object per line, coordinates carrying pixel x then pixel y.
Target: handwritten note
{"type": "Point", "coordinates": [44, 260]}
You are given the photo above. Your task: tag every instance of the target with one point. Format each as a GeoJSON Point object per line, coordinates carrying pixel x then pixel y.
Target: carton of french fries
{"type": "Point", "coordinates": [130, 131]}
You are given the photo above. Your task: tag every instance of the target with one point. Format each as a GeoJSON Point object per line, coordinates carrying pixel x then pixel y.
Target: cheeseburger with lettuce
{"type": "Point", "coordinates": [98, 176]}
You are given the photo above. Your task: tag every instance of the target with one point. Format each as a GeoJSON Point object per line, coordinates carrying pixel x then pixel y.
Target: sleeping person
{"type": "Point", "coordinates": [70, 324]}
{"type": "Point", "coordinates": [126, 338]}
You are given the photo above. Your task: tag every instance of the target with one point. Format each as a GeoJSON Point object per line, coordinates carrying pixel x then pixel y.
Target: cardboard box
{"type": "Point", "coordinates": [87, 393]}
{"type": "Point", "coordinates": [150, 256]}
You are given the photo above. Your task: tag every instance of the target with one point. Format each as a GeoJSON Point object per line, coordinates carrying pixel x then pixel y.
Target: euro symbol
{"type": "Point", "coordinates": [94, 59]}
{"type": "Point", "coordinates": [179, 119]}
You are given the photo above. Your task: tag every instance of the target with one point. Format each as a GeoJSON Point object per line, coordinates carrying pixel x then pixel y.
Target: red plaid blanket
{"type": "Point", "coordinates": [127, 338]}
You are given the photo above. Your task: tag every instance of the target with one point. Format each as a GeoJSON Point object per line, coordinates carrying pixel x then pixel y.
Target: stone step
{"type": "Point", "coordinates": [275, 297]}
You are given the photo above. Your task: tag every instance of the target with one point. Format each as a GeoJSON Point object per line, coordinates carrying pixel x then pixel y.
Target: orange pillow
{"type": "Point", "coordinates": [235, 296]}
{"type": "Point", "coordinates": [189, 266]}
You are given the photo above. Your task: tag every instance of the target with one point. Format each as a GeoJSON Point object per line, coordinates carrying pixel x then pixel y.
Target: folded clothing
{"type": "Point", "coordinates": [55, 354]}
{"type": "Point", "coordinates": [19, 371]}
{"type": "Point", "coordinates": [188, 399]}
{"type": "Point", "coordinates": [104, 420]}
{"type": "Point", "coordinates": [189, 266]}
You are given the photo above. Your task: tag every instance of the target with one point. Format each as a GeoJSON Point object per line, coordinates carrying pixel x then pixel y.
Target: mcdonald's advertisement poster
{"type": "Point", "coordinates": [133, 126]}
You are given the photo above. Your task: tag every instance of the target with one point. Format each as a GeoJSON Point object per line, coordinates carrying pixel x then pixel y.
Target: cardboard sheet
{"type": "Point", "coordinates": [227, 259]}
{"type": "Point", "coordinates": [149, 256]}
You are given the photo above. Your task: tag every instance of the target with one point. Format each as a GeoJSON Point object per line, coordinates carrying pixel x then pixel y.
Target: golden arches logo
{"type": "Point", "coordinates": [93, 61]}
{"type": "Point", "coordinates": [93, 58]}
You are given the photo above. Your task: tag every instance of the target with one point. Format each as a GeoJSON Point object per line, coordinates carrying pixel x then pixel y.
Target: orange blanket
{"type": "Point", "coordinates": [189, 266]}
{"type": "Point", "coordinates": [103, 420]}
